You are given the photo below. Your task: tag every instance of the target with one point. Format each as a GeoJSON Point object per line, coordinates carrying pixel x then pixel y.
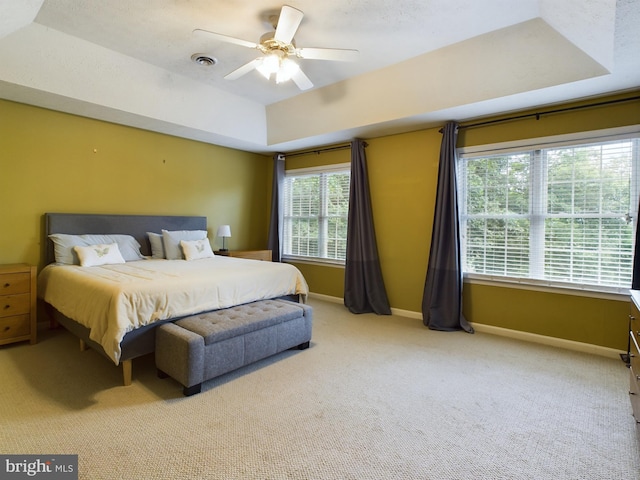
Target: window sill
{"type": "Point", "coordinates": [313, 261]}
{"type": "Point", "coordinates": [592, 291]}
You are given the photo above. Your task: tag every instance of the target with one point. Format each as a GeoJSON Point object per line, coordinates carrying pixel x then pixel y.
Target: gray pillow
{"type": "Point", "coordinates": [63, 244]}
{"type": "Point", "coordinates": [171, 240]}
{"type": "Point", "coordinates": [157, 245]}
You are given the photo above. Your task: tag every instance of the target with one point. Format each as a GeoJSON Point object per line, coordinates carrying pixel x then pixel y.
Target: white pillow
{"type": "Point", "coordinates": [101, 254]}
{"type": "Point", "coordinates": [196, 249]}
{"type": "Point", "coordinates": [171, 240]}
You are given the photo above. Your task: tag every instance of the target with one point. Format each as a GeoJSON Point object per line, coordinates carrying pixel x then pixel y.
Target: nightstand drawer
{"type": "Point", "coordinates": [18, 320]}
{"type": "Point", "coordinates": [12, 283]}
{"type": "Point", "coordinates": [16, 326]}
{"type": "Point", "coordinates": [15, 304]}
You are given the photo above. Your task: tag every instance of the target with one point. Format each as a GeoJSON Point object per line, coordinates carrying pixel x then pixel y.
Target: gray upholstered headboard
{"type": "Point", "coordinates": [135, 225]}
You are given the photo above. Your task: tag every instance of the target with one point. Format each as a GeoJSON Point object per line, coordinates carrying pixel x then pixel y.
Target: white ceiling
{"type": "Point", "coordinates": [421, 62]}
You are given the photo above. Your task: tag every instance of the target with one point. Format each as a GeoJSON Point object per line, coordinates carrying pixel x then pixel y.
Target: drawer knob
{"type": "Point", "coordinates": [7, 285]}
{"type": "Point", "coordinates": [6, 307]}
{"type": "Point", "coordinates": [6, 329]}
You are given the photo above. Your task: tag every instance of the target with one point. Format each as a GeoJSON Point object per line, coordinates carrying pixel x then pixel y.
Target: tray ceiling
{"type": "Point", "coordinates": [421, 63]}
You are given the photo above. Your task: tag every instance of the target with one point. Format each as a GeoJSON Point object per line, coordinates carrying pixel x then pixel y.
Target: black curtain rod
{"type": "Point", "coordinates": [318, 151]}
{"type": "Point", "coordinates": [548, 112]}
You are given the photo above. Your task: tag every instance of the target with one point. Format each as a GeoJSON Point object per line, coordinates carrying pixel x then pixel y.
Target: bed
{"type": "Point", "coordinates": [115, 309]}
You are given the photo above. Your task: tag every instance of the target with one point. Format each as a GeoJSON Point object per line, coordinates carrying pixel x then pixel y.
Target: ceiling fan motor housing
{"type": "Point", "coordinates": [269, 44]}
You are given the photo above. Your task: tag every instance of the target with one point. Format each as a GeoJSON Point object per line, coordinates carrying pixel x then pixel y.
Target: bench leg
{"type": "Point", "coordinates": [188, 391]}
{"type": "Point", "coordinates": [192, 390]}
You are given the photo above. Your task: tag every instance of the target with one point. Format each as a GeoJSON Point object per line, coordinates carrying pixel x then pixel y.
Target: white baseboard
{"type": "Point", "coordinates": [551, 341]}
{"type": "Point", "coordinates": [407, 313]}
{"type": "Point", "coordinates": [326, 298]}
{"type": "Point", "coordinates": [506, 332]}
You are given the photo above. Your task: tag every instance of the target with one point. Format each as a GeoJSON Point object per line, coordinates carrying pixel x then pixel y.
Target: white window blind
{"type": "Point", "coordinates": [316, 207]}
{"type": "Point", "coordinates": [563, 214]}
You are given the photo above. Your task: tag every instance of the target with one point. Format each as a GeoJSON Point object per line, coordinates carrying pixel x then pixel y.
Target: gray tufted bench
{"type": "Point", "coordinates": [200, 347]}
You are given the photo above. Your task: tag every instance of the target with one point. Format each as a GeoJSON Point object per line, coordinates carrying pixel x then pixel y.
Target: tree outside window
{"type": "Point", "coordinates": [564, 214]}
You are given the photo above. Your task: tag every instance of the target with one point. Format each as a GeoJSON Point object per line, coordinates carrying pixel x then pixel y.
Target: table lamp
{"type": "Point", "coordinates": [224, 231]}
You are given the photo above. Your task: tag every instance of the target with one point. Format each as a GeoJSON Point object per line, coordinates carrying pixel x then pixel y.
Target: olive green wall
{"type": "Point", "coordinates": [581, 319]}
{"type": "Point", "coordinates": [54, 162]}
{"type": "Point", "coordinates": [403, 173]}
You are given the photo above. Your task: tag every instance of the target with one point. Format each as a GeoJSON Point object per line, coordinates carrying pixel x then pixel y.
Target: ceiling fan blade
{"type": "Point", "coordinates": [223, 38]}
{"type": "Point", "coordinates": [288, 24]}
{"type": "Point", "coordinates": [243, 70]}
{"type": "Point", "coordinates": [301, 80]}
{"type": "Point", "coordinates": [341, 55]}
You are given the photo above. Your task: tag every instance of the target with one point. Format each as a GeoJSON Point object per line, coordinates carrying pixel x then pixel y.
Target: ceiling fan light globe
{"type": "Point", "coordinates": [268, 64]}
{"type": "Point", "coordinates": [263, 71]}
{"type": "Point", "coordinates": [288, 69]}
{"type": "Point", "coordinates": [271, 63]}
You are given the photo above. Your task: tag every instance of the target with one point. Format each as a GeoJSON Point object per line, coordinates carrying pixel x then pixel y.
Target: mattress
{"type": "Point", "coordinates": [112, 300]}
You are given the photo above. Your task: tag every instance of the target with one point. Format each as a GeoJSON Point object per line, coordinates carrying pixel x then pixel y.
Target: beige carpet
{"type": "Point", "coordinates": [373, 398]}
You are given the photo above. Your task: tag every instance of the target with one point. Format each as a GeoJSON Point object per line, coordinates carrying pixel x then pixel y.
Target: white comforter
{"type": "Point", "coordinates": [114, 299]}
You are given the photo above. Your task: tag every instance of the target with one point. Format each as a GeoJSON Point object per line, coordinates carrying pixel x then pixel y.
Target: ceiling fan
{"type": "Point", "coordinates": [278, 47]}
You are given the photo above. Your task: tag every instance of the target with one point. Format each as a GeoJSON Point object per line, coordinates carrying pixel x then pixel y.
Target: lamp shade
{"type": "Point", "coordinates": [224, 231]}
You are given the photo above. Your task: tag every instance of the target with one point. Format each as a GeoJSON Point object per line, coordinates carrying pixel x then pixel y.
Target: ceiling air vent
{"type": "Point", "coordinates": [203, 60]}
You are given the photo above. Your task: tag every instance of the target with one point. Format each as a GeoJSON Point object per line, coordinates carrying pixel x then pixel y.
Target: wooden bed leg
{"type": "Point", "coordinates": [126, 372]}
{"type": "Point", "coordinates": [83, 345]}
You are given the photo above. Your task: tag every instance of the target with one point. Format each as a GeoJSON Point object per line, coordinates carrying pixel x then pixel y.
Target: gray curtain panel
{"type": "Point", "coordinates": [274, 242]}
{"type": "Point", "coordinates": [442, 299]}
{"type": "Point", "coordinates": [364, 290]}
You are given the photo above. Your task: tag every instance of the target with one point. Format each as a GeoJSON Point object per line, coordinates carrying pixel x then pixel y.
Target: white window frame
{"type": "Point", "coordinates": [538, 176]}
{"type": "Point", "coordinates": [323, 217]}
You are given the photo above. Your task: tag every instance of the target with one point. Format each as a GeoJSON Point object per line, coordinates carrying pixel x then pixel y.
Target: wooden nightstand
{"type": "Point", "coordinates": [18, 303]}
{"type": "Point", "coordinates": [252, 254]}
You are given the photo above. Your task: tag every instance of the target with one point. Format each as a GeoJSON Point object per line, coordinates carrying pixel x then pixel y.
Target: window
{"type": "Point", "coordinates": [316, 206]}
{"type": "Point", "coordinates": [562, 214]}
